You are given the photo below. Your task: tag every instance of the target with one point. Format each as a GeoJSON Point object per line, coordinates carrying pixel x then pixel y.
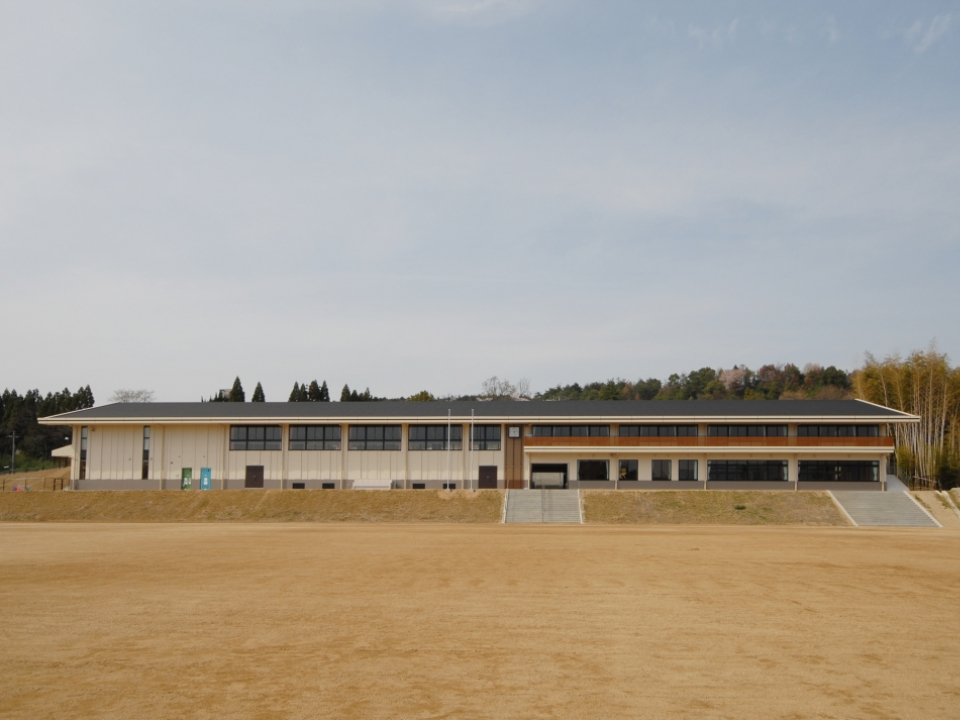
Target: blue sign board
{"type": "Point", "coordinates": [205, 476]}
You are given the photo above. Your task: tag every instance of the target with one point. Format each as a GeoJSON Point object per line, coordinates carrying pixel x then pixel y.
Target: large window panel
{"type": "Point", "coordinates": [658, 431]}
{"type": "Point", "coordinates": [434, 437]}
{"type": "Point", "coordinates": [255, 437]}
{"type": "Point", "coordinates": [838, 430]}
{"type": "Point", "coordinates": [593, 470]}
{"type": "Point", "coordinates": [486, 437]}
{"type": "Point", "coordinates": [570, 431]}
{"type": "Point", "coordinates": [746, 470]}
{"type": "Point", "coordinates": [314, 437]}
{"type": "Point", "coordinates": [374, 437]}
{"type": "Point", "coordinates": [838, 471]}
{"type": "Point", "coordinates": [747, 430]}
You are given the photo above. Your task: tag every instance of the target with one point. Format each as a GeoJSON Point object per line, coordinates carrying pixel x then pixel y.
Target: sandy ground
{"type": "Point", "coordinates": [477, 621]}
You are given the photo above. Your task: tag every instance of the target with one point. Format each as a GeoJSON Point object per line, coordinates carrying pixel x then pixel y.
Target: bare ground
{"type": "Point", "coordinates": [37, 481]}
{"type": "Point", "coordinates": [938, 506]}
{"type": "Point", "coordinates": [470, 621]}
{"type": "Point", "coordinates": [254, 506]}
{"type": "Point", "coordinates": [713, 507]}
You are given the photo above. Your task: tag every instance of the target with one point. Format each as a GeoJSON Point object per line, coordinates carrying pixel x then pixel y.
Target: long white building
{"type": "Point", "coordinates": [761, 444]}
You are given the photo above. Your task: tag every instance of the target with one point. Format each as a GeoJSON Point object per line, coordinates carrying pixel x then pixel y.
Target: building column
{"type": "Point", "coordinates": [404, 449]}
{"type": "Point", "coordinates": [284, 444]}
{"type": "Point", "coordinates": [793, 471]}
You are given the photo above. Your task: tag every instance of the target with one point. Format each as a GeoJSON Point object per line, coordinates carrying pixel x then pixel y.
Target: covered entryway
{"type": "Point", "coordinates": [488, 477]}
{"type": "Point", "coordinates": [548, 475]}
{"type": "Point", "coordinates": [254, 477]}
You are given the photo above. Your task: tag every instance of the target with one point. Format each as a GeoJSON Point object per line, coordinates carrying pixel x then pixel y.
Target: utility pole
{"type": "Point", "coordinates": [13, 452]}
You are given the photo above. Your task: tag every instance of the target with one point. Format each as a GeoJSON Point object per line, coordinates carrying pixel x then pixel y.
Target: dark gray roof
{"type": "Point", "coordinates": [517, 411]}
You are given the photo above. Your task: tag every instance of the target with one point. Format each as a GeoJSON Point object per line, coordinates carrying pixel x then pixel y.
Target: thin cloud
{"type": "Point", "coordinates": [717, 37]}
{"type": "Point", "coordinates": [830, 30]}
{"type": "Point", "coordinates": [921, 40]}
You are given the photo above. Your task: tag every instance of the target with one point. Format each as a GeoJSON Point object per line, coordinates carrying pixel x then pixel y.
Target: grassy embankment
{"type": "Point", "coordinates": [397, 506]}
{"type": "Point", "coordinates": [714, 507]}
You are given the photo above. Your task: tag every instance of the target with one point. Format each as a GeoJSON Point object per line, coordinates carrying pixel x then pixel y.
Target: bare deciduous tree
{"type": "Point", "coordinates": [132, 396]}
{"type": "Point", "coordinates": [496, 389]}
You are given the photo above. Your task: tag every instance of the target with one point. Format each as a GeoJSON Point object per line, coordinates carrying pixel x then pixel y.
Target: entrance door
{"type": "Point", "coordinates": [488, 477]}
{"type": "Point", "coordinates": [548, 475]}
{"type": "Point", "coordinates": [254, 477]}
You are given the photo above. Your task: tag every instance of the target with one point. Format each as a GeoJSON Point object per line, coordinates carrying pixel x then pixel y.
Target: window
{"type": "Point", "coordinates": [747, 430]}
{"type": "Point", "coordinates": [486, 437]}
{"type": "Point", "coordinates": [255, 437]}
{"type": "Point", "coordinates": [660, 470]}
{"type": "Point", "coordinates": [83, 453]}
{"type": "Point", "coordinates": [314, 437]}
{"type": "Point", "coordinates": [374, 437]}
{"type": "Point", "coordinates": [688, 469]}
{"type": "Point", "coordinates": [145, 470]}
{"type": "Point", "coordinates": [838, 471]}
{"type": "Point", "coordinates": [628, 470]}
{"type": "Point", "coordinates": [760, 470]}
{"type": "Point", "coordinates": [658, 431]}
{"type": "Point", "coordinates": [570, 431]}
{"type": "Point", "coordinates": [434, 437]}
{"type": "Point", "coordinates": [838, 430]}
{"type": "Point", "coordinates": [593, 470]}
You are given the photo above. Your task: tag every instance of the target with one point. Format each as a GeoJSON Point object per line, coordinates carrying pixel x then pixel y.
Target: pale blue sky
{"type": "Point", "coordinates": [422, 194]}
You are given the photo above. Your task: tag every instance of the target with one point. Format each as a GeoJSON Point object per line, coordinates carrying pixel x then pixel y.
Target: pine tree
{"type": "Point", "coordinates": [258, 394]}
{"type": "Point", "coordinates": [354, 396]}
{"type": "Point", "coordinates": [236, 392]}
{"type": "Point", "coordinates": [345, 394]}
{"type": "Point", "coordinates": [295, 393]}
{"type": "Point", "coordinates": [324, 392]}
{"type": "Point", "coordinates": [313, 394]}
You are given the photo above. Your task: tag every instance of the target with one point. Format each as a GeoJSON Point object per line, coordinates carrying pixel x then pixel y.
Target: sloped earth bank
{"type": "Point", "coordinates": [401, 506]}
{"type": "Point", "coordinates": [712, 507]}
{"type": "Point", "coordinates": [52, 479]}
{"type": "Point", "coordinates": [940, 507]}
{"type": "Point", "coordinates": [372, 621]}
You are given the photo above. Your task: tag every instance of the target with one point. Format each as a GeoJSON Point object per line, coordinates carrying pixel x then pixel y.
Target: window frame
{"type": "Point", "coordinates": [332, 443]}
{"type": "Point", "coordinates": [747, 465]}
{"type": "Point", "coordinates": [661, 464]}
{"type": "Point", "coordinates": [780, 430]}
{"type": "Point", "coordinates": [434, 437]}
{"type": "Point", "coordinates": [830, 430]}
{"type": "Point", "coordinates": [145, 466]}
{"type": "Point", "coordinates": [571, 431]}
{"type": "Point", "coordinates": [624, 475]}
{"type": "Point", "coordinates": [362, 442]}
{"type": "Point", "coordinates": [485, 441]}
{"type": "Point", "coordinates": [659, 430]}
{"type": "Point", "coordinates": [593, 461]}
{"type": "Point", "coordinates": [683, 469]}
{"type": "Point", "coordinates": [266, 438]}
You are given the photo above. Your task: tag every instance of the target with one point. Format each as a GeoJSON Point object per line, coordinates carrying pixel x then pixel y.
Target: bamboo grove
{"type": "Point", "coordinates": [924, 384]}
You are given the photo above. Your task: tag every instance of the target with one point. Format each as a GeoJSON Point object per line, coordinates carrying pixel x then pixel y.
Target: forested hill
{"type": "Point", "coordinates": [19, 415]}
{"type": "Point", "coordinates": [770, 382]}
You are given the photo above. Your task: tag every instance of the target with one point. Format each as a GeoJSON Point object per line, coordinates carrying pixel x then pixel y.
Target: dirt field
{"type": "Point", "coordinates": [716, 507]}
{"type": "Point", "coordinates": [477, 621]}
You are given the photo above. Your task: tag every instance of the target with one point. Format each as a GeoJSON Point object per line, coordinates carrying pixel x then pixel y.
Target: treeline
{"type": "Point", "coordinates": [301, 392]}
{"type": "Point", "coordinates": [19, 415]}
{"type": "Point", "coordinates": [770, 382]}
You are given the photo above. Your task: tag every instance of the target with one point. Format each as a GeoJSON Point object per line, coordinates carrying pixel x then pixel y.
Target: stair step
{"type": "Point", "coordinates": [543, 506]}
{"type": "Point", "coordinates": [887, 509]}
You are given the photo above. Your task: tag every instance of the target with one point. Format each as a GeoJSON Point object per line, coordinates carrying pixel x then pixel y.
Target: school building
{"type": "Point", "coordinates": [708, 444]}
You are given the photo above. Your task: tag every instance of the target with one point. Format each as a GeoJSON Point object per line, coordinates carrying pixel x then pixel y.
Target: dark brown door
{"type": "Point", "coordinates": [488, 477]}
{"type": "Point", "coordinates": [254, 477]}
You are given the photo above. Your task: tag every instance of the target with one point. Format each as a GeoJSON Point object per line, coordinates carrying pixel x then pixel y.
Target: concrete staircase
{"type": "Point", "coordinates": [543, 506]}
{"type": "Point", "coordinates": [891, 509]}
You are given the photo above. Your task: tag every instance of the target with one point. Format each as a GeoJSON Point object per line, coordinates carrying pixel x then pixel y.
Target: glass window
{"type": "Point", "coordinates": [255, 437]}
{"type": "Point", "coordinates": [838, 471]}
{"type": "Point", "coordinates": [570, 431]}
{"type": "Point", "coordinates": [750, 470]}
{"type": "Point", "coordinates": [661, 470]}
{"type": "Point", "coordinates": [145, 466]}
{"type": "Point", "coordinates": [688, 469]}
{"type": "Point", "coordinates": [314, 437]}
{"type": "Point", "coordinates": [486, 437]}
{"type": "Point", "coordinates": [434, 437]}
{"type": "Point", "coordinates": [628, 470]}
{"type": "Point", "coordinates": [374, 437]}
{"type": "Point", "coordinates": [83, 453]}
{"type": "Point", "coordinates": [658, 431]}
{"type": "Point", "coordinates": [593, 470]}
{"type": "Point", "coordinates": [838, 430]}
{"type": "Point", "coordinates": [747, 430]}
